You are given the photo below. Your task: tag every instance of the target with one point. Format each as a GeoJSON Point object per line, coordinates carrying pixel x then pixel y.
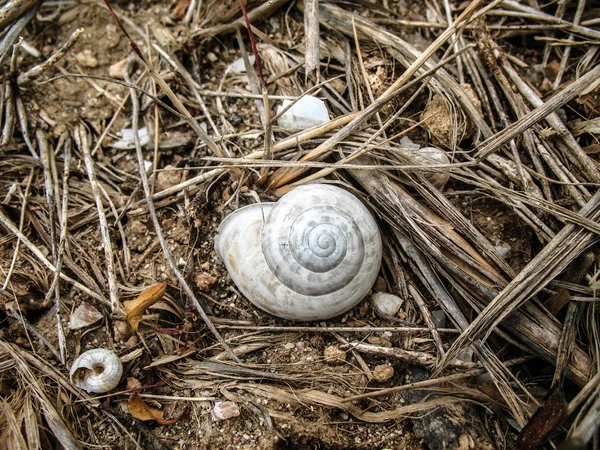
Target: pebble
{"type": "Point", "coordinates": [376, 340]}
{"type": "Point", "coordinates": [122, 330]}
{"type": "Point", "coordinates": [466, 355]}
{"type": "Point", "coordinates": [383, 373]}
{"type": "Point", "coordinates": [168, 177]}
{"type": "Point", "coordinates": [289, 346]}
{"type": "Point", "coordinates": [386, 304]}
{"type": "Point", "coordinates": [407, 142]}
{"type": "Point", "coordinates": [127, 140]}
{"type": "Point", "coordinates": [205, 281]}
{"type": "Point", "coordinates": [117, 70]}
{"type": "Point", "coordinates": [86, 59]}
{"type": "Point", "coordinates": [334, 355]}
{"type": "Point", "coordinates": [84, 316]}
{"type": "Point", "coordinates": [225, 410]}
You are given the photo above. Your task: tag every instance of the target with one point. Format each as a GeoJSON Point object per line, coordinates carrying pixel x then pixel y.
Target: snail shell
{"type": "Point", "coordinates": [98, 370]}
{"type": "Point", "coordinates": [312, 255]}
{"type": "Point", "coordinates": [429, 156]}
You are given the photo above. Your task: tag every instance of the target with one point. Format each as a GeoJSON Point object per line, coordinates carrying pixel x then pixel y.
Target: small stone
{"type": "Point", "coordinates": [376, 340]}
{"type": "Point", "coordinates": [122, 330]}
{"type": "Point", "coordinates": [386, 304]}
{"type": "Point", "coordinates": [334, 355]}
{"type": "Point", "coordinates": [212, 57]}
{"type": "Point", "coordinates": [289, 346]}
{"type": "Point", "coordinates": [225, 410]}
{"type": "Point", "coordinates": [439, 318]}
{"type": "Point", "coordinates": [168, 177]}
{"type": "Point", "coordinates": [132, 341]}
{"type": "Point", "coordinates": [307, 112]}
{"type": "Point", "coordinates": [383, 373]}
{"type": "Point", "coordinates": [300, 344]}
{"type": "Point", "coordinates": [84, 316]}
{"type": "Point", "coordinates": [117, 70]}
{"type": "Point", "coordinates": [86, 59]}
{"type": "Point", "coordinates": [205, 281]}
{"type": "Point", "coordinates": [138, 227]}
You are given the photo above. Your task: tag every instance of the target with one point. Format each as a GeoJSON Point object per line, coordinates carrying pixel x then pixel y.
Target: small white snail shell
{"type": "Point", "coordinates": [98, 370]}
{"type": "Point", "coordinates": [312, 255]}
{"type": "Point", "coordinates": [429, 156]}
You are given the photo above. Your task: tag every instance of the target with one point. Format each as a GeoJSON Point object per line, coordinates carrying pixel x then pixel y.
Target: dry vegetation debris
{"type": "Point", "coordinates": [128, 135]}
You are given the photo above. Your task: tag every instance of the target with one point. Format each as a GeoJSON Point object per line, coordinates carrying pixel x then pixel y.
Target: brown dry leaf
{"type": "Point", "coordinates": [546, 419]}
{"type": "Point", "coordinates": [141, 411]}
{"type": "Point", "coordinates": [135, 308]}
{"type": "Point", "coordinates": [180, 8]}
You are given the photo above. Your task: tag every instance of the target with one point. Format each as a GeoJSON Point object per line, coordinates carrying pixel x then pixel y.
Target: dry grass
{"type": "Point", "coordinates": [71, 205]}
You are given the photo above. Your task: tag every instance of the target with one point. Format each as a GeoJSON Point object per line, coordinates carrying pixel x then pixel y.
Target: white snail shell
{"type": "Point", "coordinates": [429, 156]}
{"type": "Point", "coordinates": [98, 370]}
{"type": "Point", "coordinates": [312, 255]}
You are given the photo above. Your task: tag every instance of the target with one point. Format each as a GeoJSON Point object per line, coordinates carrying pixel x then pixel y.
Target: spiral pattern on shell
{"type": "Point", "coordinates": [312, 255]}
{"type": "Point", "coordinates": [98, 370]}
{"type": "Point", "coordinates": [313, 247]}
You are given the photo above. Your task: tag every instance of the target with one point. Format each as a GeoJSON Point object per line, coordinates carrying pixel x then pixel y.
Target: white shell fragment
{"type": "Point", "coordinates": [127, 140]}
{"type": "Point", "coordinates": [98, 370]}
{"type": "Point", "coordinates": [312, 255]}
{"type": "Point", "coordinates": [504, 249]}
{"type": "Point", "coordinates": [305, 113]}
{"type": "Point", "coordinates": [386, 304]}
{"type": "Point", "coordinates": [238, 66]}
{"type": "Point", "coordinates": [84, 316]}
{"type": "Point", "coordinates": [225, 410]}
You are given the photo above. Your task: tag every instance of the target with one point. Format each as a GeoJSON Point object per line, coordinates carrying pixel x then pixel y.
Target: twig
{"type": "Point", "coordinates": [61, 249]}
{"type": "Point", "coordinates": [428, 318]}
{"type": "Point", "coordinates": [159, 233]}
{"type": "Point", "coordinates": [4, 220]}
{"type": "Point", "coordinates": [12, 9]}
{"type": "Point", "coordinates": [327, 329]}
{"type": "Point", "coordinates": [16, 29]}
{"type": "Point", "coordinates": [566, 95]}
{"type": "Point", "coordinates": [57, 56]}
{"type": "Point", "coordinates": [194, 125]}
{"type": "Point", "coordinates": [311, 41]}
{"type": "Point", "coordinates": [22, 116]}
{"type": "Point", "coordinates": [567, 50]}
{"type": "Point", "coordinates": [432, 382]}
{"type": "Point", "coordinates": [15, 255]}
{"type": "Point", "coordinates": [82, 141]}
{"type": "Point", "coordinates": [419, 358]}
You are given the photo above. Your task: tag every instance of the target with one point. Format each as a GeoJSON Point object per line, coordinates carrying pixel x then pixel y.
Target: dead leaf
{"type": "Point", "coordinates": [180, 8]}
{"type": "Point", "coordinates": [135, 308]}
{"type": "Point", "coordinates": [546, 419]}
{"type": "Point", "coordinates": [141, 411]}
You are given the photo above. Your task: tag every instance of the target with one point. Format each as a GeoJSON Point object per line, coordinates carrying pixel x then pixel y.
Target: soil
{"type": "Point", "coordinates": [78, 92]}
